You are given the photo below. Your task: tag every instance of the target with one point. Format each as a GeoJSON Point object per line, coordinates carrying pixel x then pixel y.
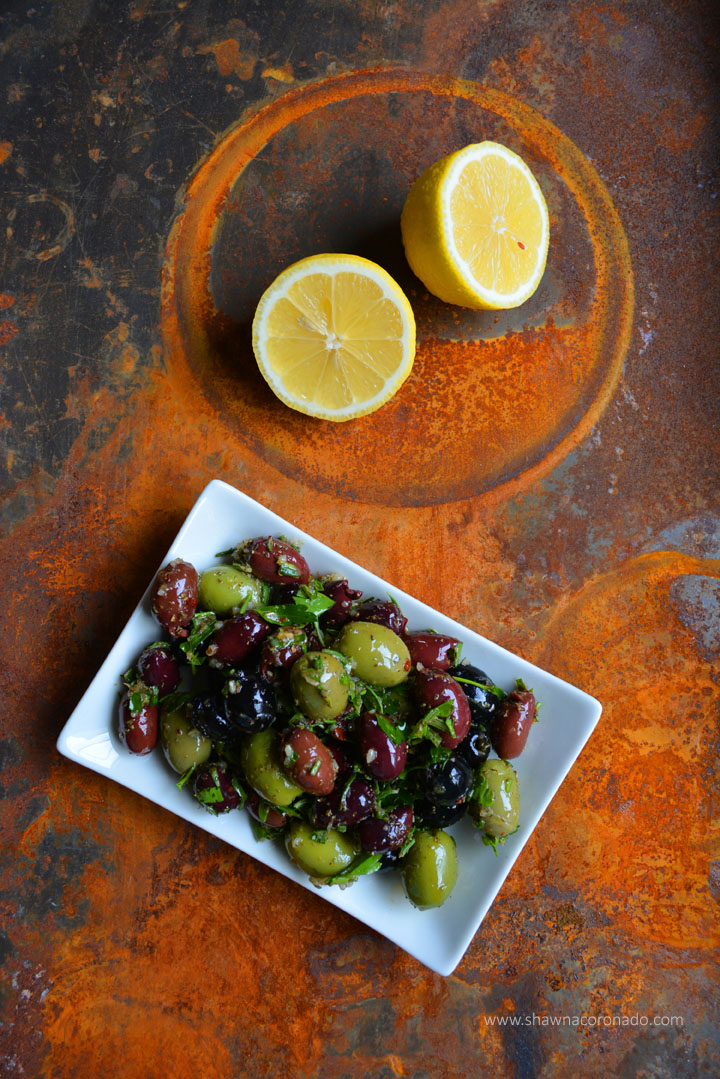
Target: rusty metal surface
{"type": "Point", "coordinates": [547, 476]}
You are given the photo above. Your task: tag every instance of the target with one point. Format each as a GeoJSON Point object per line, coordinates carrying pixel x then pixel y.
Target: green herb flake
{"type": "Point", "coordinates": [184, 777]}
{"type": "Point", "coordinates": [210, 795]}
{"type": "Point", "coordinates": [363, 864]}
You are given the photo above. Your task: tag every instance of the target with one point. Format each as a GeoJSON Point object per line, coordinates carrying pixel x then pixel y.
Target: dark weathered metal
{"type": "Point", "coordinates": [548, 476]}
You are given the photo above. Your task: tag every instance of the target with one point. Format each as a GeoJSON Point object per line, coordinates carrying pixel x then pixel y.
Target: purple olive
{"type": "Point", "coordinates": [276, 561]}
{"type": "Point", "coordinates": [264, 813]}
{"type": "Point", "coordinates": [175, 597]}
{"type": "Point", "coordinates": [343, 597]}
{"type": "Point", "coordinates": [382, 613]}
{"type": "Point", "coordinates": [281, 650]}
{"type": "Point", "coordinates": [378, 836]}
{"type": "Point", "coordinates": [429, 649]}
{"type": "Point", "coordinates": [434, 688]}
{"type": "Point", "coordinates": [512, 724]}
{"type": "Point", "coordinates": [138, 723]}
{"type": "Point", "coordinates": [348, 804]}
{"type": "Point", "coordinates": [216, 788]}
{"type": "Point", "coordinates": [234, 640]}
{"type": "Point", "coordinates": [158, 667]}
{"type": "Point", "coordinates": [383, 755]}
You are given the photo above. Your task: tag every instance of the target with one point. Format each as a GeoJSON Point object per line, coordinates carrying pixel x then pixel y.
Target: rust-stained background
{"type": "Point", "coordinates": [159, 163]}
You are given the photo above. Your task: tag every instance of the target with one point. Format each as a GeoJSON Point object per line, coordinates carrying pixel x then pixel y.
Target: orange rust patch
{"type": "Point", "coordinates": [7, 331]}
{"type": "Point", "coordinates": [6, 300]}
{"type": "Point", "coordinates": [638, 848]}
{"type": "Point", "coordinates": [229, 59]}
{"type": "Point", "coordinates": [5, 151]}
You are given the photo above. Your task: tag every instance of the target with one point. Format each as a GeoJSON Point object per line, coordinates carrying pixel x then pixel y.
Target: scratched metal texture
{"type": "Point", "coordinates": [586, 536]}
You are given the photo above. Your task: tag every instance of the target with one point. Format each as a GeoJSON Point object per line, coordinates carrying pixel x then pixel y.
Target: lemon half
{"type": "Point", "coordinates": [334, 336]}
{"type": "Point", "coordinates": [476, 228]}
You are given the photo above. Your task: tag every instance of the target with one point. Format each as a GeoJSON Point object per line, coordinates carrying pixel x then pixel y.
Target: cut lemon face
{"type": "Point", "coordinates": [476, 228]}
{"type": "Point", "coordinates": [334, 336]}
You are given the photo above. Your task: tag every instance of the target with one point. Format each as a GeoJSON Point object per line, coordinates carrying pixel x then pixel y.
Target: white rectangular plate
{"type": "Point", "coordinates": [221, 518]}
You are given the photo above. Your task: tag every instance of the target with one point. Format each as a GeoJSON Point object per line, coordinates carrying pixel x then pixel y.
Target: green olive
{"type": "Point", "coordinates": [377, 654]}
{"type": "Point", "coordinates": [321, 857]}
{"type": "Point", "coordinates": [261, 761]}
{"type": "Point", "coordinates": [183, 745]}
{"type": "Point", "coordinates": [223, 588]}
{"type": "Point", "coordinates": [320, 685]}
{"type": "Point", "coordinates": [495, 804]}
{"type": "Point", "coordinates": [430, 869]}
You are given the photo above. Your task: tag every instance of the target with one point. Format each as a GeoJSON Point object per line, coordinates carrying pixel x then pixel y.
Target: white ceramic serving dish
{"type": "Point", "coordinates": [220, 518]}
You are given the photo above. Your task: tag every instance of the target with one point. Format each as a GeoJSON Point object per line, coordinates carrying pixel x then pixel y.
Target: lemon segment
{"type": "Point", "coordinates": [334, 336]}
{"type": "Point", "coordinates": [476, 228]}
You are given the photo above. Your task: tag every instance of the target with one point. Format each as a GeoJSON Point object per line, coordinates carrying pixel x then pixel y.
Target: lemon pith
{"type": "Point", "coordinates": [476, 228]}
{"type": "Point", "coordinates": [334, 336]}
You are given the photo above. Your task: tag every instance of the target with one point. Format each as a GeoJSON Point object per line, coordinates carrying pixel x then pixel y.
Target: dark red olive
{"type": "Point", "coordinates": [434, 688]}
{"type": "Point", "coordinates": [138, 723]}
{"type": "Point", "coordinates": [264, 813]}
{"type": "Point", "coordinates": [217, 789]}
{"type": "Point", "coordinates": [175, 597]}
{"type": "Point", "coordinates": [348, 804]}
{"type": "Point", "coordinates": [276, 561]}
{"type": "Point", "coordinates": [234, 640]}
{"type": "Point", "coordinates": [378, 836]}
{"type": "Point", "coordinates": [343, 597]}
{"type": "Point", "coordinates": [158, 667]}
{"type": "Point", "coordinates": [512, 724]}
{"type": "Point", "coordinates": [382, 755]}
{"type": "Point", "coordinates": [281, 650]}
{"type": "Point", "coordinates": [340, 755]}
{"type": "Point", "coordinates": [432, 649]}
{"type": "Point", "coordinates": [309, 761]}
{"type": "Point", "coordinates": [382, 613]}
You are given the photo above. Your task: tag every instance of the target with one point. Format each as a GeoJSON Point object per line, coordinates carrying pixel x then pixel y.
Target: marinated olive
{"type": "Point", "coordinates": [429, 649]}
{"type": "Point", "coordinates": [209, 715]}
{"type": "Point", "coordinates": [224, 588]}
{"type": "Point", "coordinates": [380, 834]}
{"type": "Point", "coordinates": [475, 747]}
{"type": "Point", "coordinates": [512, 723]}
{"type": "Point", "coordinates": [430, 869]}
{"type": "Point", "coordinates": [249, 702]}
{"type": "Point", "coordinates": [158, 667]}
{"type": "Point", "coordinates": [235, 640]}
{"type": "Point", "coordinates": [217, 788]}
{"type": "Point", "coordinates": [447, 782]}
{"type": "Point", "coordinates": [348, 804]}
{"type": "Point", "coordinates": [281, 650]}
{"type": "Point", "coordinates": [383, 754]}
{"type": "Point", "coordinates": [319, 685]}
{"type": "Point", "coordinates": [184, 746]}
{"type": "Point", "coordinates": [430, 815]}
{"type": "Point", "coordinates": [138, 722]}
{"type": "Point", "coordinates": [478, 688]}
{"type": "Point", "coordinates": [309, 762]}
{"type": "Point", "coordinates": [377, 654]}
{"type": "Point", "coordinates": [264, 813]}
{"type": "Point", "coordinates": [276, 561]}
{"type": "Point", "coordinates": [435, 688]}
{"type": "Point", "coordinates": [261, 759]}
{"type": "Point", "coordinates": [344, 597]}
{"type": "Point", "coordinates": [175, 597]}
{"type": "Point", "coordinates": [320, 854]}
{"type": "Point", "coordinates": [495, 803]}
{"type": "Point", "coordinates": [383, 613]}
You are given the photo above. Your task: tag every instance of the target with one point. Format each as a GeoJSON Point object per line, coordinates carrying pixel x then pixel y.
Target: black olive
{"type": "Point", "coordinates": [483, 702]}
{"type": "Point", "coordinates": [447, 782]}
{"type": "Point", "coordinates": [429, 815]}
{"type": "Point", "coordinates": [209, 715]}
{"type": "Point", "coordinates": [475, 748]}
{"type": "Point", "coordinates": [249, 703]}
